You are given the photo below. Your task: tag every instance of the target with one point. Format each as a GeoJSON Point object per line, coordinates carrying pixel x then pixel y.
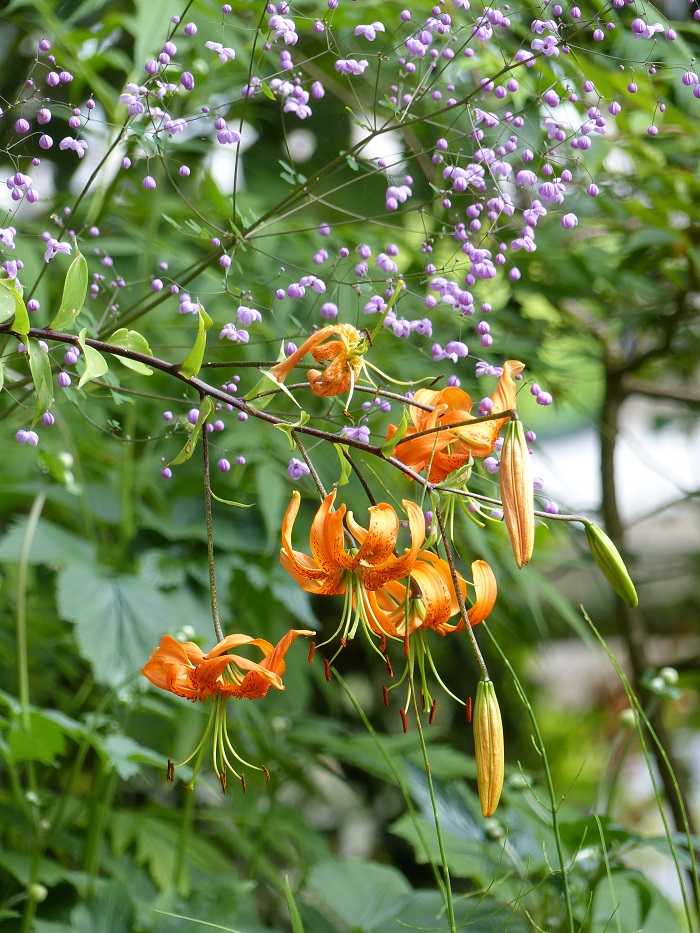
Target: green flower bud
{"type": "Point", "coordinates": [607, 556]}
{"type": "Point", "coordinates": [488, 746]}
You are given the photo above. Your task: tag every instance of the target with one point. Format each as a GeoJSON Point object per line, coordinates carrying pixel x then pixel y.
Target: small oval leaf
{"type": "Point", "coordinates": [74, 294]}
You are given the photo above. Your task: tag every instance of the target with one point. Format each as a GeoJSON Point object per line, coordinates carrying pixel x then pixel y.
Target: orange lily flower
{"type": "Point", "coordinates": [343, 344]}
{"type": "Point", "coordinates": [446, 450]}
{"type": "Point", "coordinates": [394, 610]}
{"type": "Point", "coordinates": [184, 669]}
{"type": "Point", "coordinates": [332, 566]}
{"type": "Point", "coordinates": [368, 565]}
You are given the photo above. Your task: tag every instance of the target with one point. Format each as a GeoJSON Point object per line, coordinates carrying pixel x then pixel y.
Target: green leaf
{"type": "Point", "coordinates": [238, 505]}
{"type": "Point", "coordinates": [193, 362]}
{"type": "Point", "coordinates": [132, 340]}
{"type": "Point", "coordinates": [40, 368]}
{"type": "Point", "coordinates": [345, 468]}
{"type": "Point", "coordinates": [74, 293]}
{"type": "Point", "coordinates": [287, 428]}
{"type": "Point", "coordinates": [263, 386]}
{"type": "Point", "coordinates": [44, 741]}
{"type": "Point", "coordinates": [12, 303]}
{"type": "Point", "coordinates": [294, 915]}
{"type": "Point", "coordinates": [388, 447]}
{"type": "Point", "coordinates": [109, 908]}
{"type": "Point", "coordinates": [364, 895]}
{"type": "Point", "coordinates": [126, 755]}
{"type": "Point", "coordinates": [119, 620]}
{"type": "Point", "coordinates": [8, 300]}
{"type": "Point", "coordinates": [95, 364]}
{"type": "Point", "coordinates": [50, 545]}
{"type": "Point", "coordinates": [205, 409]}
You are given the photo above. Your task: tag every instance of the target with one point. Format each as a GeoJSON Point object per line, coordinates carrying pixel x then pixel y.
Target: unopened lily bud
{"type": "Point", "coordinates": [516, 492]}
{"type": "Point", "coordinates": [607, 556]}
{"type": "Point", "coordinates": [488, 745]}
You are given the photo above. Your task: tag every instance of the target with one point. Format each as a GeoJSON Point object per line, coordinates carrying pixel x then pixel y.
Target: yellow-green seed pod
{"type": "Point", "coordinates": [516, 492]}
{"type": "Point", "coordinates": [607, 556]}
{"type": "Point", "coordinates": [488, 746]}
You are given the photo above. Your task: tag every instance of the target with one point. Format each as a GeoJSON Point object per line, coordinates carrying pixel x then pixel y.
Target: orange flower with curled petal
{"type": "Point", "coordinates": [331, 566]}
{"type": "Point", "coordinates": [186, 671]}
{"type": "Point", "coordinates": [369, 564]}
{"type": "Point", "coordinates": [343, 344]}
{"type": "Point", "coordinates": [397, 610]}
{"type": "Point", "coordinates": [446, 450]}
{"type": "Point", "coordinates": [183, 668]}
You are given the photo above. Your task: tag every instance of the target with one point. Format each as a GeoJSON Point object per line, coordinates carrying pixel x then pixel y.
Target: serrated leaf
{"type": "Point", "coordinates": [367, 896]}
{"type": "Point", "coordinates": [132, 340]}
{"type": "Point", "coordinates": [125, 755]}
{"type": "Point", "coordinates": [193, 362]}
{"type": "Point", "coordinates": [118, 620]}
{"type": "Point", "coordinates": [40, 368]}
{"type": "Point", "coordinates": [205, 409]}
{"type": "Point", "coordinates": [345, 468]}
{"type": "Point", "coordinates": [74, 294]}
{"type": "Point", "coordinates": [44, 741]}
{"type": "Point", "coordinates": [95, 364]}
{"type": "Point", "coordinates": [109, 908]}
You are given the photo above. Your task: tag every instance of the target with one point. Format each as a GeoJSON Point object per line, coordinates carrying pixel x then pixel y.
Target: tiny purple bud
{"type": "Point", "coordinates": [166, 473]}
{"type": "Point", "coordinates": [187, 80]}
{"type": "Point", "coordinates": [63, 380]}
{"type": "Point", "coordinates": [149, 183]}
{"type": "Point", "coordinates": [190, 30]}
{"type": "Point", "coordinates": [168, 416]}
{"type": "Point", "coordinates": [192, 415]}
{"type": "Point", "coordinates": [47, 419]}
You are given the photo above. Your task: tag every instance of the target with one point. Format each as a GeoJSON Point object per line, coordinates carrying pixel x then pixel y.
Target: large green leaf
{"type": "Point", "coordinates": [365, 895]}
{"type": "Point", "coordinates": [44, 741]}
{"type": "Point", "coordinates": [109, 908]}
{"type": "Point", "coordinates": [50, 544]}
{"type": "Point", "coordinates": [119, 620]}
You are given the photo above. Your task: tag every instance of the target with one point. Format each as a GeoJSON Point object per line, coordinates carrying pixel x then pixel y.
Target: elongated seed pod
{"type": "Point", "coordinates": [516, 492]}
{"type": "Point", "coordinates": [488, 746]}
{"type": "Point", "coordinates": [608, 558]}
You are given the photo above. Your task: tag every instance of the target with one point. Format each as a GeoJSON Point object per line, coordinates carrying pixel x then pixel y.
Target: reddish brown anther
{"type": "Point", "coordinates": [385, 695]}
{"type": "Point", "coordinates": [312, 649]}
{"type": "Point", "coordinates": [266, 773]}
{"type": "Point", "coordinates": [222, 778]}
{"type": "Point", "coordinates": [389, 668]}
{"type": "Point", "coordinates": [170, 776]}
{"type": "Point", "coordinates": [327, 669]}
{"type": "Point", "coordinates": [243, 782]}
{"type": "Point", "coordinates": [404, 720]}
{"type": "Point", "coordinates": [433, 710]}
{"type": "Point", "coordinates": [469, 709]}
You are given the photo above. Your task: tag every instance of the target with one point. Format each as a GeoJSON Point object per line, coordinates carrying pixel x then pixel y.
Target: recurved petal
{"type": "Point", "coordinates": [396, 568]}
{"type": "Point", "coordinates": [322, 584]}
{"type": "Point", "coordinates": [379, 540]}
{"type": "Point", "coordinates": [235, 641]}
{"type": "Point", "coordinates": [298, 564]}
{"type": "Point", "coordinates": [504, 396]}
{"type": "Point", "coordinates": [486, 591]}
{"type": "Point", "coordinates": [274, 660]}
{"type": "Point", "coordinates": [328, 537]}
{"type": "Point", "coordinates": [418, 452]}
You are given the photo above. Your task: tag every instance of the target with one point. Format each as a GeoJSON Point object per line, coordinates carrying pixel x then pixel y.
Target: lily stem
{"type": "Point", "coordinates": [210, 539]}
{"type": "Point", "coordinates": [460, 599]}
{"type": "Point", "coordinates": [447, 887]}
